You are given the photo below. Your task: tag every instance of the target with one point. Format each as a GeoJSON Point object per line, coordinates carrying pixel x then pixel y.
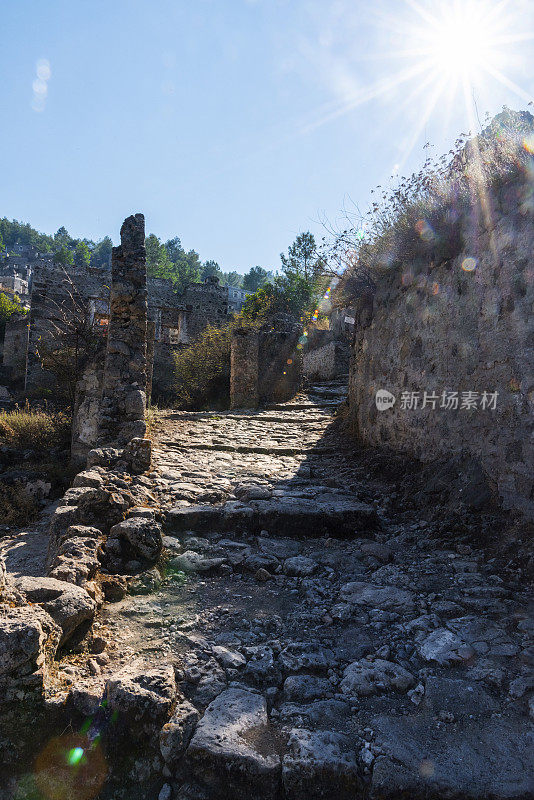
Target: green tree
{"type": "Point", "coordinates": [8, 307]}
{"type": "Point", "coordinates": [303, 259]}
{"type": "Point", "coordinates": [63, 257]}
{"type": "Point", "coordinates": [288, 294]}
{"type": "Point", "coordinates": [209, 269]}
{"type": "Point", "coordinates": [82, 256]}
{"type": "Point", "coordinates": [14, 232]}
{"type": "Point", "coordinates": [255, 277]}
{"type": "Point", "coordinates": [101, 253]}
{"type": "Point", "coordinates": [158, 263]}
{"type": "Point", "coordinates": [62, 238]}
{"type": "Point", "coordinates": [231, 279]}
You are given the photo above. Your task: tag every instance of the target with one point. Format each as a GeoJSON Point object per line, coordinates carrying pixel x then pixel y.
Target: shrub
{"type": "Point", "coordinates": [202, 370]}
{"type": "Point", "coordinates": [33, 429]}
{"type": "Point", "coordinates": [17, 507]}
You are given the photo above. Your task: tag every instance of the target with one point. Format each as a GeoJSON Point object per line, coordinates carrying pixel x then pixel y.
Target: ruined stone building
{"type": "Point", "coordinates": [62, 300]}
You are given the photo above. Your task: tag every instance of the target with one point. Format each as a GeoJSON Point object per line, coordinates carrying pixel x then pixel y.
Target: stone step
{"type": "Point", "coordinates": [294, 517]}
{"type": "Point", "coordinates": [275, 451]}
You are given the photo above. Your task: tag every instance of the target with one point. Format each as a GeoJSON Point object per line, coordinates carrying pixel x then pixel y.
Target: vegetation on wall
{"type": "Point", "coordinates": [9, 305]}
{"type": "Point", "coordinates": [419, 218]}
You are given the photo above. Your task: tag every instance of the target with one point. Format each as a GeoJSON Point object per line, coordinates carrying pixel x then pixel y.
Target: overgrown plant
{"type": "Point", "coordinates": [35, 429]}
{"type": "Point", "coordinates": [73, 342]}
{"type": "Point", "coordinates": [202, 370]}
{"type": "Point", "coordinates": [420, 217]}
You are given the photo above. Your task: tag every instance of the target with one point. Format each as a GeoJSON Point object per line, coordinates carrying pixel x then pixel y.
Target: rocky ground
{"type": "Point", "coordinates": [305, 634]}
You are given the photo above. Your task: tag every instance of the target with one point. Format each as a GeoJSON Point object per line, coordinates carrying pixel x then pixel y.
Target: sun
{"type": "Point", "coordinates": [462, 40]}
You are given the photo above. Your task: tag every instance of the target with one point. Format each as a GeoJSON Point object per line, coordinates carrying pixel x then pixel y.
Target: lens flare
{"type": "Point", "coordinates": [469, 264]}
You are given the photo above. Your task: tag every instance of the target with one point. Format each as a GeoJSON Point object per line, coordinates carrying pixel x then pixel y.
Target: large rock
{"type": "Point", "coordinates": [143, 535]}
{"type": "Point", "coordinates": [68, 605]}
{"type": "Point", "coordinates": [372, 677]}
{"type": "Point", "coordinates": [386, 598]}
{"type": "Point", "coordinates": [233, 749]}
{"type": "Point", "coordinates": [305, 688]}
{"type": "Point", "coordinates": [29, 638]}
{"type": "Point", "coordinates": [421, 759]}
{"type": "Point", "coordinates": [176, 734]}
{"type": "Point", "coordinates": [142, 696]}
{"type": "Point", "coordinates": [458, 697]}
{"type": "Point", "coordinates": [76, 560]}
{"type": "Point", "coordinates": [445, 647]}
{"type": "Point", "coordinates": [320, 764]}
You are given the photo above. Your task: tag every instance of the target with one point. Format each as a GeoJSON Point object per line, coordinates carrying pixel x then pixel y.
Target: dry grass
{"type": "Point", "coordinates": [29, 429]}
{"type": "Point", "coordinates": [421, 219]}
{"type": "Point", "coordinates": [17, 507]}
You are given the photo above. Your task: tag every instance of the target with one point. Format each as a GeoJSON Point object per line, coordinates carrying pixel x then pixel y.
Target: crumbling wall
{"type": "Point", "coordinates": [123, 405]}
{"type": "Point", "coordinates": [464, 326]}
{"type": "Point", "coordinates": [16, 345]}
{"type": "Point", "coordinates": [206, 303]}
{"type": "Point", "coordinates": [59, 302]}
{"type": "Point", "coordinates": [265, 364]}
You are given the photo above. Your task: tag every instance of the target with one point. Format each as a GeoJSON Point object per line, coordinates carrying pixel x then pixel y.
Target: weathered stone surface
{"type": "Point", "coordinates": [29, 638]}
{"type": "Point", "coordinates": [123, 403]}
{"type": "Point", "coordinates": [138, 454]}
{"type": "Point", "coordinates": [372, 677]}
{"type": "Point", "coordinates": [176, 734]}
{"type": "Point", "coordinates": [458, 697]}
{"type": "Point", "coordinates": [76, 559]}
{"type": "Point", "coordinates": [419, 760]}
{"type": "Point", "coordinates": [445, 647]}
{"type": "Point", "coordinates": [478, 316]}
{"type": "Point", "coordinates": [320, 764]}
{"type": "Point", "coordinates": [295, 516]}
{"type": "Point", "coordinates": [305, 656]}
{"type": "Point", "coordinates": [232, 750]}
{"type": "Point", "coordinates": [195, 562]}
{"type": "Point", "coordinates": [305, 688]}
{"type": "Point", "coordinates": [142, 696]}
{"type": "Point", "coordinates": [229, 659]}
{"type": "Point", "coordinates": [68, 605]}
{"type": "Point", "coordinates": [387, 598]}
{"type": "Point", "coordinates": [143, 535]}
{"type": "Point", "coordinates": [300, 566]}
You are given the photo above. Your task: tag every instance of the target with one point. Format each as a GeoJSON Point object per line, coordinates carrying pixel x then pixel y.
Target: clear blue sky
{"type": "Point", "coordinates": [235, 124]}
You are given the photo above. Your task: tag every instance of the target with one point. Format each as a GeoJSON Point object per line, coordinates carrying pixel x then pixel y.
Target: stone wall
{"type": "Point", "coordinates": [326, 362]}
{"type": "Point", "coordinates": [205, 303]}
{"type": "Point", "coordinates": [265, 365]}
{"type": "Point", "coordinates": [59, 301]}
{"type": "Point", "coordinates": [244, 368]}
{"type": "Point", "coordinates": [463, 326]}
{"type": "Point", "coordinates": [16, 345]}
{"type": "Point", "coordinates": [123, 404]}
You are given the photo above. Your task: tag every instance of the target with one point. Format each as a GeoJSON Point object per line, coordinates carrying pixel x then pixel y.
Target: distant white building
{"type": "Point", "coordinates": [236, 298]}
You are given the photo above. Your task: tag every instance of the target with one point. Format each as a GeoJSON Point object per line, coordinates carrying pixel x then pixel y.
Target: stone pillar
{"type": "Point", "coordinates": [123, 405]}
{"type": "Point", "coordinates": [280, 362]}
{"type": "Point", "coordinates": [244, 371]}
{"type": "Point", "coordinates": [150, 348]}
{"type": "Point", "coordinates": [86, 414]}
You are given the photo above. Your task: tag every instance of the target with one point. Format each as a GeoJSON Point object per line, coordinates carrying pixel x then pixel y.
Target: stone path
{"type": "Point", "coordinates": [327, 648]}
